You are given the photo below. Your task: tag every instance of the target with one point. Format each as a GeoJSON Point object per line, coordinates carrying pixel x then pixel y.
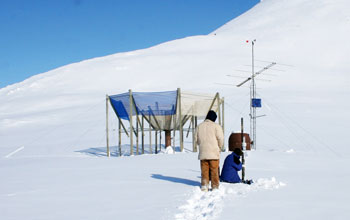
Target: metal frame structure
{"type": "Point", "coordinates": [140, 125]}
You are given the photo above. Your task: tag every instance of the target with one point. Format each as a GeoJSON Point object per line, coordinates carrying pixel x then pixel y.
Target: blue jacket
{"type": "Point", "coordinates": [230, 169]}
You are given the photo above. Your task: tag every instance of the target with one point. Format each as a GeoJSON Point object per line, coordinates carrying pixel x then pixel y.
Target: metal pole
{"type": "Point", "coordinates": [120, 138]}
{"type": "Point", "coordinates": [131, 124]}
{"type": "Point", "coordinates": [107, 134]}
{"type": "Point", "coordinates": [219, 116]}
{"type": "Point", "coordinates": [194, 144]}
{"type": "Point", "coordinates": [156, 142]}
{"type": "Point", "coordinates": [137, 135]}
{"type": "Point", "coordinates": [215, 97]}
{"type": "Point", "coordinates": [219, 109]}
{"type": "Point", "coordinates": [143, 135]}
{"type": "Point", "coordinates": [254, 110]}
{"type": "Point", "coordinates": [180, 120]}
{"type": "Point", "coordinates": [189, 128]}
{"type": "Point", "coordinates": [160, 140]}
{"type": "Point", "coordinates": [223, 119]}
{"type": "Point", "coordinates": [252, 96]}
{"type": "Point", "coordinates": [150, 134]}
{"type": "Point", "coordinates": [243, 160]}
{"type": "Point", "coordinates": [195, 122]}
{"type": "Point", "coordinates": [174, 127]}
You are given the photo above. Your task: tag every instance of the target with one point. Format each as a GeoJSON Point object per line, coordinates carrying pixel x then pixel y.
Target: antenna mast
{"type": "Point", "coordinates": [254, 102]}
{"type": "Point", "coordinates": [252, 96]}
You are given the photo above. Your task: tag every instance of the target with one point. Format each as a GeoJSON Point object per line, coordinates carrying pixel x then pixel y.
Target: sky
{"type": "Point", "coordinates": [41, 35]}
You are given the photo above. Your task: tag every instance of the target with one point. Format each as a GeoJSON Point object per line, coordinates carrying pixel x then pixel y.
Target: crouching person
{"type": "Point", "coordinates": [209, 137]}
{"type": "Point", "coordinates": [232, 165]}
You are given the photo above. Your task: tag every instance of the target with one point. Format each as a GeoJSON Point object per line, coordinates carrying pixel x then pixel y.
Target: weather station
{"type": "Point", "coordinates": [254, 101]}
{"type": "Point", "coordinates": [237, 139]}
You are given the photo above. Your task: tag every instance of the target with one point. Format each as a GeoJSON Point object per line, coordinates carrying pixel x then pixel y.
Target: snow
{"type": "Point", "coordinates": [169, 150]}
{"type": "Point", "coordinates": [208, 205]}
{"type": "Point", "coordinates": [52, 126]}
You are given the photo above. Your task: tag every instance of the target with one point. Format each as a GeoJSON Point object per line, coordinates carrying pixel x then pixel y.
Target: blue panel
{"type": "Point", "coordinates": [121, 105]}
{"type": "Point", "coordinates": [256, 103]}
{"type": "Point", "coordinates": [147, 103]}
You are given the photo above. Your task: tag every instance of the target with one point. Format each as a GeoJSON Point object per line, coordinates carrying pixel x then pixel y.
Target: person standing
{"type": "Point", "coordinates": [210, 138]}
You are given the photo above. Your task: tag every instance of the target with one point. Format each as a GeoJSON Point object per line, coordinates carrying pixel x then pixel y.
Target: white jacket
{"type": "Point", "coordinates": [210, 138]}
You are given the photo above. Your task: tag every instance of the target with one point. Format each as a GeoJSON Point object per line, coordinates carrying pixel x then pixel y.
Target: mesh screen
{"type": "Point", "coordinates": [197, 104]}
{"type": "Point", "coordinates": [160, 108]}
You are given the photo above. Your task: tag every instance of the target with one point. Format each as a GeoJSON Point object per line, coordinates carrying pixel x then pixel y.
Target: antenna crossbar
{"type": "Point", "coordinates": [257, 73]}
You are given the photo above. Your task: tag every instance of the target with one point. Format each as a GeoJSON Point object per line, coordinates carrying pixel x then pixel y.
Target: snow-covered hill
{"type": "Point", "coordinates": [55, 124]}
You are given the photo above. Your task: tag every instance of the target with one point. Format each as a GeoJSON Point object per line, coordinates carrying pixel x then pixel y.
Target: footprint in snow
{"type": "Point", "coordinates": [208, 205]}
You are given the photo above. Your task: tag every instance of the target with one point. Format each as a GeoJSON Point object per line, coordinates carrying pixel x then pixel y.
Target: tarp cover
{"type": "Point", "coordinates": [160, 108]}
{"type": "Point", "coordinates": [147, 103]}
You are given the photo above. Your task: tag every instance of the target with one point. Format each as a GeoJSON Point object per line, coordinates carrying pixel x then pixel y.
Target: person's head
{"type": "Point", "coordinates": [211, 116]}
{"type": "Point", "coordinates": [238, 151]}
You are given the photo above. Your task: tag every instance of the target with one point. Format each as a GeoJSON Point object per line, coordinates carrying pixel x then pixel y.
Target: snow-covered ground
{"type": "Point", "coordinates": [52, 125]}
{"type": "Point", "coordinates": [297, 185]}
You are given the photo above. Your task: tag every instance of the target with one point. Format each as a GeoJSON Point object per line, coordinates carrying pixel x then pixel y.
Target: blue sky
{"type": "Point", "coordinates": [40, 35]}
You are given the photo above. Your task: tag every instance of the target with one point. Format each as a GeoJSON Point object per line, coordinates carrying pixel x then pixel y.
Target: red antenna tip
{"type": "Point", "coordinates": [247, 41]}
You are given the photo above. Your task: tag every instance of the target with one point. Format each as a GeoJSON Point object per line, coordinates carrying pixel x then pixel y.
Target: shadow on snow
{"type": "Point", "coordinates": [125, 150]}
{"type": "Point", "coordinates": [176, 180]}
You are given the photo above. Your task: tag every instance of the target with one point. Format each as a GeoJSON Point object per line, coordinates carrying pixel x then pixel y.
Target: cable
{"type": "Point", "coordinates": [291, 130]}
{"type": "Point", "coordinates": [239, 111]}
{"type": "Point", "coordinates": [308, 132]}
{"type": "Point", "coordinates": [275, 137]}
